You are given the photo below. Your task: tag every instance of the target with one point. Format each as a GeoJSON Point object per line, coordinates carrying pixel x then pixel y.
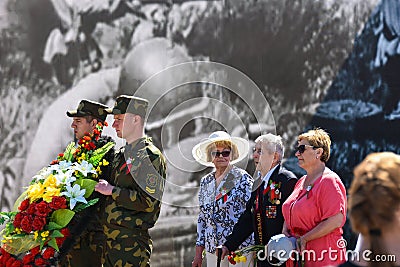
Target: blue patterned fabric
{"type": "Point", "coordinates": [220, 208]}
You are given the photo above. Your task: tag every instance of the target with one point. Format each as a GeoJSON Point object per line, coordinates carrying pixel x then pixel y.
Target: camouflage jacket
{"type": "Point", "coordinates": [139, 172]}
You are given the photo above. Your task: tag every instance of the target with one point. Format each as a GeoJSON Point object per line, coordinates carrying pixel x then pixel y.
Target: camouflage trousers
{"type": "Point", "coordinates": [126, 251]}
{"type": "Point", "coordinates": [87, 252]}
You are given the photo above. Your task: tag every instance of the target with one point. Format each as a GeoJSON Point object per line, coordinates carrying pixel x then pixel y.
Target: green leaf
{"type": "Point", "coordinates": [82, 206]}
{"type": "Point", "coordinates": [87, 184]}
{"type": "Point", "coordinates": [62, 217]}
{"type": "Point", "coordinates": [56, 233]}
{"type": "Point", "coordinates": [69, 151]}
{"type": "Point", "coordinates": [52, 243]}
{"type": "Point", "coordinates": [6, 216]}
{"type": "Point", "coordinates": [53, 226]}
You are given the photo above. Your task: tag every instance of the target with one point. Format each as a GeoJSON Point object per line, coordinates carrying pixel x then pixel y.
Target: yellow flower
{"type": "Point", "coordinates": [45, 234]}
{"type": "Point", "coordinates": [242, 259]}
{"type": "Point", "coordinates": [50, 181]}
{"type": "Point", "coordinates": [35, 235]}
{"type": "Point", "coordinates": [35, 191]}
{"type": "Point", "coordinates": [50, 193]}
{"type": "Point", "coordinates": [105, 162]}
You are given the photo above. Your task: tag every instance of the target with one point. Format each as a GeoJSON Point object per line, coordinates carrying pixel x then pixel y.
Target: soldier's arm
{"type": "Point", "coordinates": [150, 181]}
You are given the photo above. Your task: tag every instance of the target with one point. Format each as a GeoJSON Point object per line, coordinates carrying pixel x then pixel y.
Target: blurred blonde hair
{"type": "Point", "coordinates": [225, 144]}
{"type": "Point", "coordinates": [375, 198]}
{"type": "Point", "coordinates": [318, 138]}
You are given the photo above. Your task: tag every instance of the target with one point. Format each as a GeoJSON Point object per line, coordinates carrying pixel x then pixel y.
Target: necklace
{"type": "Point", "coordinates": [308, 185]}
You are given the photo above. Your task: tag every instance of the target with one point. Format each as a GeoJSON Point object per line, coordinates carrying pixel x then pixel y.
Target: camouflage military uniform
{"type": "Point", "coordinates": [138, 176]}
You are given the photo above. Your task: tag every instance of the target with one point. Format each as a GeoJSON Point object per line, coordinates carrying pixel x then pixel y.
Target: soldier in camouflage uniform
{"type": "Point", "coordinates": [85, 246]}
{"type": "Point", "coordinates": [135, 189]}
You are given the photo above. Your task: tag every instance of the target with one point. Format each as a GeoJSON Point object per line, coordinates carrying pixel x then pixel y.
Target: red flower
{"type": "Point", "coordinates": [60, 240]}
{"type": "Point", "coordinates": [61, 155]}
{"type": "Point", "coordinates": [58, 203]}
{"type": "Point", "coordinates": [92, 145]}
{"type": "Point", "coordinates": [28, 258]}
{"type": "Point", "coordinates": [4, 255]}
{"type": "Point", "coordinates": [40, 262]}
{"type": "Point", "coordinates": [54, 162]}
{"type": "Point", "coordinates": [9, 262]}
{"type": "Point", "coordinates": [35, 250]}
{"type": "Point", "coordinates": [231, 259]}
{"type": "Point", "coordinates": [42, 209]}
{"type": "Point", "coordinates": [96, 132]}
{"type": "Point", "coordinates": [31, 209]}
{"type": "Point", "coordinates": [17, 263]}
{"type": "Point", "coordinates": [26, 224]}
{"type": "Point", "coordinates": [48, 253]}
{"type": "Point", "coordinates": [87, 137]}
{"type": "Point", "coordinates": [24, 205]}
{"type": "Point", "coordinates": [105, 124]}
{"type": "Point", "coordinates": [17, 220]}
{"type": "Point", "coordinates": [38, 223]}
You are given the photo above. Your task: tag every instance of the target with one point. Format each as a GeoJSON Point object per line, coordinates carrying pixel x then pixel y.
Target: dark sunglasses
{"type": "Point", "coordinates": [302, 148]}
{"type": "Point", "coordinates": [223, 153]}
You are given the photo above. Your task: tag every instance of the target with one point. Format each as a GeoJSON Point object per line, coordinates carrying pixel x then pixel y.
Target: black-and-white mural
{"type": "Point", "coordinates": [282, 66]}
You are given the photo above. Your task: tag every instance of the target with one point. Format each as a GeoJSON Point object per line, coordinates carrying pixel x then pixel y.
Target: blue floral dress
{"type": "Point", "coordinates": [220, 208]}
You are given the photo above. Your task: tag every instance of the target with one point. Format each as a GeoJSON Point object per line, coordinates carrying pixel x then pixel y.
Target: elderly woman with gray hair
{"type": "Point", "coordinates": [263, 214]}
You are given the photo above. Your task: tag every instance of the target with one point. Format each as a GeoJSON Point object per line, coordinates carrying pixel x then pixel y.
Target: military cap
{"type": "Point", "coordinates": [89, 108]}
{"type": "Point", "coordinates": [129, 104]}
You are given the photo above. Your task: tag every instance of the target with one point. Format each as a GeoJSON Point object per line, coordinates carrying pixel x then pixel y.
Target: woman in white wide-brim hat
{"type": "Point", "coordinates": [223, 194]}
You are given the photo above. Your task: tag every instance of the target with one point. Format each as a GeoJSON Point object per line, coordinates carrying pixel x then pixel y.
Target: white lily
{"type": "Point", "coordinates": [65, 177]}
{"type": "Point", "coordinates": [64, 165]}
{"type": "Point", "coordinates": [84, 167]}
{"type": "Point", "coordinates": [75, 195]}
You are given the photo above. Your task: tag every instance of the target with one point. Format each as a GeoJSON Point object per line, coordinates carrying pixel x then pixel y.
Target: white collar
{"type": "Point", "coordinates": [268, 175]}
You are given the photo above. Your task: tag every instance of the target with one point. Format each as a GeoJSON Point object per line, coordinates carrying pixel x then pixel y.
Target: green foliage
{"type": "Point", "coordinates": [88, 185]}
{"type": "Point", "coordinates": [81, 206]}
{"type": "Point", "coordinates": [61, 218]}
{"type": "Point", "coordinates": [6, 216]}
{"type": "Point", "coordinates": [69, 152]}
{"type": "Point", "coordinates": [99, 153]}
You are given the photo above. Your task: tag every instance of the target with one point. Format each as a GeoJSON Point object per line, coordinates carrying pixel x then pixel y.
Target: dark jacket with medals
{"type": "Point", "coordinates": [263, 210]}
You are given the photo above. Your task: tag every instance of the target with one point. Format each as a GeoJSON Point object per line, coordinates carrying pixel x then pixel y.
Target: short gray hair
{"type": "Point", "coordinates": [273, 143]}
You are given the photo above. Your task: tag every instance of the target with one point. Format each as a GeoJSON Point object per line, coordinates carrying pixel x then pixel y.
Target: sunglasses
{"type": "Point", "coordinates": [223, 153]}
{"type": "Point", "coordinates": [302, 148]}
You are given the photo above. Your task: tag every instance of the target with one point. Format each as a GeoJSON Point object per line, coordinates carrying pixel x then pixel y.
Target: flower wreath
{"type": "Point", "coordinates": [37, 227]}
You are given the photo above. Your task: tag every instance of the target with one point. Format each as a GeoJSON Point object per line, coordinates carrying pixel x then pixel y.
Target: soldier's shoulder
{"type": "Point", "coordinates": [153, 152]}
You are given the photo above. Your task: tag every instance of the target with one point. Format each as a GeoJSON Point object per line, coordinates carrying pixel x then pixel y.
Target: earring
{"type": "Point", "coordinates": [316, 157]}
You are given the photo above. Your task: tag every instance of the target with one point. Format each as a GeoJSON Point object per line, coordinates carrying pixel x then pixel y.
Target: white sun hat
{"type": "Point", "coordinates": [280, 247]}
{"type": "Point", "coordinates": [200, 154]}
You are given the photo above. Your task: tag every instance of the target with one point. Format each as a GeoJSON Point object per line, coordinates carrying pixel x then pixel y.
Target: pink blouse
{"type": "Point", "coordinates": [305, 209]}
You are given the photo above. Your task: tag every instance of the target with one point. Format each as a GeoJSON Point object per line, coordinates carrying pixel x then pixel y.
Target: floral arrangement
{"type": "Point", "coordinates": [37, 227]}
{"type": "Point", "coordinates": [239, 255]}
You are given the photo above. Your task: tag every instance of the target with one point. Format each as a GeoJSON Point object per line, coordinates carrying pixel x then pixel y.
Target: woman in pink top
{"type": "Point", "coordinates": [316, 210]}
